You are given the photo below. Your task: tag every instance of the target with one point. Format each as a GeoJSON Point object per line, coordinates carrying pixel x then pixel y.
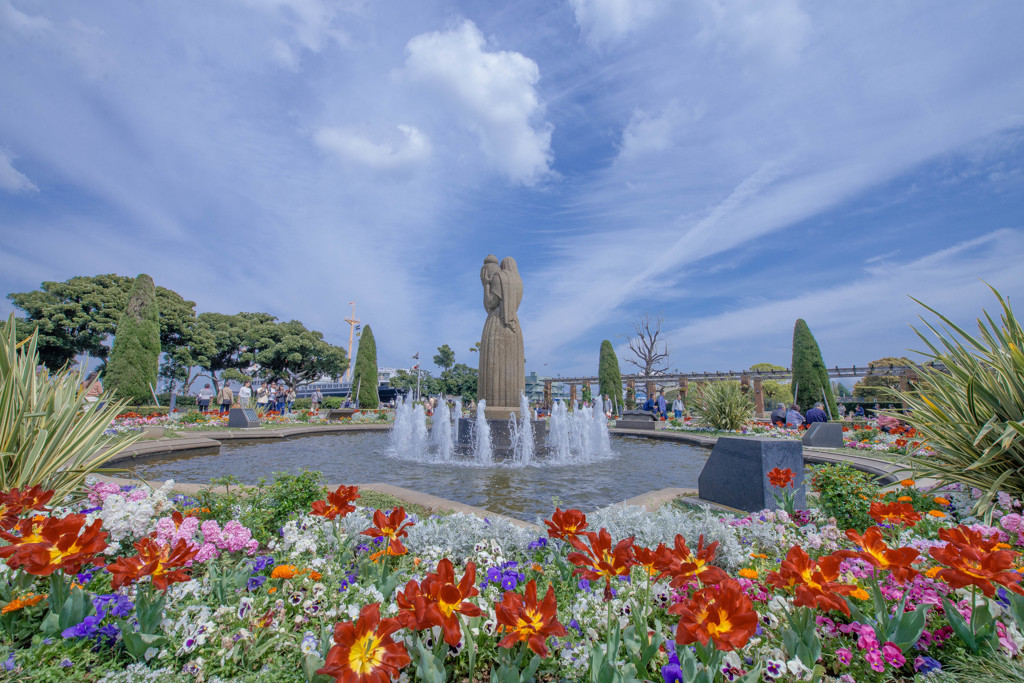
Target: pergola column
{"type": "Point", "coordinates": [758, 397]}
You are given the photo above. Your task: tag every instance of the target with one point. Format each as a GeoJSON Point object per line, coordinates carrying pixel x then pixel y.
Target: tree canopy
{"type": "Point", "coordinates": [609, 376]}
{"type": "Point", "coordinates": [135, 358]}
{"type": "Point", "coordinates": [445, 357]}
{"type": "Point", "coordinates": [364, 374]}
{"type": "Point", "coordinates": [881, 385]}
{"type": "Point", "coordinates": [810, 376]}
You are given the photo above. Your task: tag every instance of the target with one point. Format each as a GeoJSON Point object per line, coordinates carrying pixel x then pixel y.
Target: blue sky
{"type": "Point", "coordinates": [731, 166]}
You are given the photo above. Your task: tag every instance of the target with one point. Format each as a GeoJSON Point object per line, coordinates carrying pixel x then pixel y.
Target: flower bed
{"type": "Point", "coordinates": [133, 584]}
{"type": "Point", "coordinates": [128, 423]}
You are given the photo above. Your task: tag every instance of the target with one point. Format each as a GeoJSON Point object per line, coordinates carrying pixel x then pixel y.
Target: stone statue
{"type": "Point", "coordinates": [501, 379]}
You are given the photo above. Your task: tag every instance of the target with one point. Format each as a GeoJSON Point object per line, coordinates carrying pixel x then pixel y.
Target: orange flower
{"type": "Point", "coordinates": [939, 500]}
{"type": "Point", "coordinates": [722, 614]}
{"type": "Point", "coordinates": [338, 503]}
{"type": "Point", "coordinates": [907, 483]}
{"type": "Point", "coordinates": [814, 583]}
{"type": "Point", "coordinates": [894, 513]}
{"type": "Point", "coordinates": [438, 599]}
{"type": "Point", "coordinates": [165, 564]}
{"type": "Point", "coordinates": [523, 619]}
{"type": "Point", "coordinates": [874, 551]}
{"type": "Point", "coordinates": [391, 527]}
{"type": "Point", "coordinates": [859, 594]}
{"type": "Point", "coordinates": [748, 573]}
{"type": "Point", "coordinates": [284, 571]}
{"type": "Point", "coordinates": [971, 560]}
{"type": "Point", "coordinates": [17, 501]}
{"type": "Point", "coordinates": [28, 600]}
{"type": "Point", "coordinates": [905, 499]}
{"type": "Point", "coordinates": [316, 576]}
{"type": "Point", "coordinates": [599, 559]}
{"type": "Point", "coordinates": [42, 545]}
{"type": "Point", "coordinates": [390, 550]}
{"type": "Point", "coordinates": [365, 652]}
{"type": "Point", "coordinates": [683, 566]}
{"type": "Point", "coordinates": [566, 524]}
{"type": "Point", "coordinates": [932, 572]}
{"type": "Point", "coordinates": [647, 558]}
{"type": "Point", "coordinates": [937, 513]}
{"type": "Point", "coordinates": [780, 478]}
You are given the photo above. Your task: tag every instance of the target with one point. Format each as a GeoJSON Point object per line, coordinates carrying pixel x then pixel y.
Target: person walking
{"type": "Point", "coordinates": [677, 406]}
{"type": "Point", "coordinates": [225, 397]}
{"type": "Point", "coordinates": [244, 394]}
{"type": "Point", "coordinates": [793, 418]}
{"type": "Point", "coordinates": [662, 405]}
{"type": "Point", "coordinates": [316, 399]}
{"type": "Point", "coordinates": [817, 413]}
{"type": "Point", "coordinates": [204, 398]}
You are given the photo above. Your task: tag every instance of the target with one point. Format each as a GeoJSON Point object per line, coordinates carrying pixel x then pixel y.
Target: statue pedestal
{"type": "Point", "coordinates": [500, 412]}
{"type": "Point", "coordinates": [501, 437]}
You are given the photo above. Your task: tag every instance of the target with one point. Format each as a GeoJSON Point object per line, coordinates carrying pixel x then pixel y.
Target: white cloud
{"type": "Point", "coordinates": [648, 134]}
{"type": "Point", "coordinates": [604, 21]}
{"type": "Point", "coordinates": [11, 179]}
{"type": "Point", "coordinates": [21, 22]}
{"type": "Point", "coordinates": [312, 23]}
{"type": "Point", "coordinates": [846, 328]}
{"type": "Point", "coordinates": [413, 148]}
{"type": "Point", "coordinates": [777, 30]}
{"type": "Point", "coordinates": [494, 93]}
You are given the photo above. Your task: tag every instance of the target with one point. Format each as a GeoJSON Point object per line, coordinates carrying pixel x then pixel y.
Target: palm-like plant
{"type": "Point", "coordinates": [49, 435]}
{"type": "Point", "coordinates": [972, 414]}
{"type": "Point", "coordinates": [722, 405]}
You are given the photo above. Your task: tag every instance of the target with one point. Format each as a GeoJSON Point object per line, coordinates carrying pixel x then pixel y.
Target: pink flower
{"type": "Point", "coordinates": [99, 492]}
{"type": "Point", "coordinates": [867, 641]}
{"type": "Point", "coordinates": [137, 494]}
{"type": "Point", "coordinates": [874, 660]}
{"type": "Point", "coordinates": [208, 551]}
{"type": "Point", "coordinates": [844, 656]}
{"type": "Point", "coordinates": [211, 532]}
{"type": "Point", "coordinates": [893, 655]}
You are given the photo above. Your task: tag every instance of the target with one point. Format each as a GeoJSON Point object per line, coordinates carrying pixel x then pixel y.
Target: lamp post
{"type": "Point", "coordinates": [417, 368]}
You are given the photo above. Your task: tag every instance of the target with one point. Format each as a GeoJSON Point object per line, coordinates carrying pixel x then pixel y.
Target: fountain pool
{"type": "Point", "coordinates": [632, 466]}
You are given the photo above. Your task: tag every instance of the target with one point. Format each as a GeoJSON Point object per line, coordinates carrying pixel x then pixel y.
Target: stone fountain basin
{"type": "Point", "coordinates": [635, 466]}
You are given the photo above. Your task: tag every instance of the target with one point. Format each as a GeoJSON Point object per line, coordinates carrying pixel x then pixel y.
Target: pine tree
{"type": "Point", "coordinates": [810, 376]}
{"type": "Point", "coordinates": [364, 375]}
{"type": "Point", "coordinates": [609, 376]}
{"type": "Point", "coordinates": [135, 358]}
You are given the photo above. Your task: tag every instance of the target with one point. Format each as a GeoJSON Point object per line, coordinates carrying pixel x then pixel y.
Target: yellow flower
{"type": "Point", "coordinates": [937, 513]}
{"type": "Point", "coordinates": [860, 594]}
{"type": "Point", "coordinates": [747, 573]}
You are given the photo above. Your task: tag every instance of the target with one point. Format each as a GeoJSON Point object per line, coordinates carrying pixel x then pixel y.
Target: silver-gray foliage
{"type": "Point", "coordinates": [459, 533]}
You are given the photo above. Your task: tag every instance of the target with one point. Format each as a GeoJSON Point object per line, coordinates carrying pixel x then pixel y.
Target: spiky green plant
{"type": "Point", "coordinates": [49, 435]}
{"type": "Point", "coordinates": [972, 414]}
{"type": "Point", "coordinates": [722, 405]}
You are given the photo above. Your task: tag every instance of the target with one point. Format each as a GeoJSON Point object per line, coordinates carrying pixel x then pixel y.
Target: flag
{"type": "Point", "coordinates": [416, 367]}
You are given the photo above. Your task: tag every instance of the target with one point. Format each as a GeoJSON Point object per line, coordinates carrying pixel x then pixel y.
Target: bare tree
{"type": "Point", "coordinates": [651, 353]}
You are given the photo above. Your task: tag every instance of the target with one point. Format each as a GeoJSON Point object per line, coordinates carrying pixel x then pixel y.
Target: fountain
{"type": "Point", "coordinates": [441, 434]}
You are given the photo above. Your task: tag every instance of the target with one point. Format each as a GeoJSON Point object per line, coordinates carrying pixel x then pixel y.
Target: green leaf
{"type": "Point", "coordinates": [960, 626]}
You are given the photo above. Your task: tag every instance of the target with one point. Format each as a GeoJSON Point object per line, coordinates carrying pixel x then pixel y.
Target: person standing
{"type": "Point", "coordinates": [291, 398]}
{"type": "Point", "coordinates": [817, 413]}
{"type": "Point", "coordinates": [204, 398]}
{"type": "Point", "coordinates": [662, 404]}
{"type": "Point", "coordinates": [244, 394]}
{"type": "Point", "coordinates": [262, 397]}
{"type": "Point", "coordinates": [677, 406]}
{"type": "Point", "coordinates": [316, 399]}
{"type": "Point", "coordinates": [92, 387]}
{"type": "Point", "coordinates": [225, 397]}
{"type": "Point", "coordinates": [842, 411]}
{"type": "Point", "coordinates": [608, 405]}
{"type": "Point", "coordinates": [793, 418]}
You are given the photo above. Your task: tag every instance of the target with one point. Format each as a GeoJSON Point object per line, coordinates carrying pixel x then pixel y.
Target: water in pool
{"type": "Point", "coordinates": [634, 466]}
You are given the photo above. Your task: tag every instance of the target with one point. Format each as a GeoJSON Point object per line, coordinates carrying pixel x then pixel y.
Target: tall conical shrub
{"type": "Point", "coordinates": [608, 373]}
{"type": "Point", "coordinates": [364, 375]}
{"type": "Point", "coordinates": [810, 376]}
{"type": "Point", "coordinates": [135, 358]}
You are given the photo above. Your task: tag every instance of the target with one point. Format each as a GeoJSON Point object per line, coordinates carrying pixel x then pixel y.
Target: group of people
{"type": "Point", "coordinates": [659, 405]}
{"type": "Point", "coordinates": [793, 419]}
{"type": "Point", "coordinates": [269, 396]}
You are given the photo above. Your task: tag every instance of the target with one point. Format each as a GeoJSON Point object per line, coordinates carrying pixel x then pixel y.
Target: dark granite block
{"type": "Point", "coordinates": [736, 473]}
{"type": "Point", "coordinates": [637, 419]}
{"type": "Point", "coordinates": [242, 418]}
{"type": "Point", "coordinates": [824, 435]}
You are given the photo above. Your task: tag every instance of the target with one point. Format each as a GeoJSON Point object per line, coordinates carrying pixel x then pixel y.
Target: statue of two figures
{"type": "Point", "coordinates": [501, 378]}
